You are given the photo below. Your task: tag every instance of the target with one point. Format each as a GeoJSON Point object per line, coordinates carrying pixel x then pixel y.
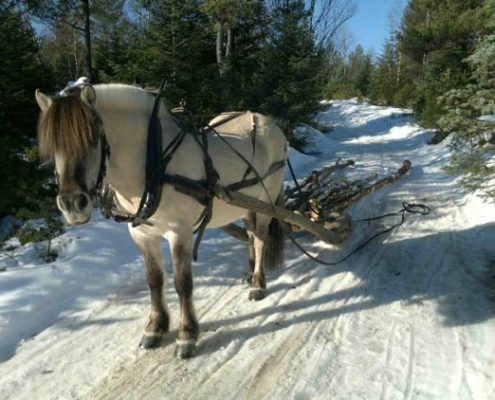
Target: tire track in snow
{"type": "Point", "coordinates": [388, 362]}
{"type": "Point", "coordinates": [411, 361]}
{"type": "Point", "coordinates": [217, 369]}
{"type": "Point", "coordinates": [170, 369]}
{"type": "Point", "coordinates": [303, 347]}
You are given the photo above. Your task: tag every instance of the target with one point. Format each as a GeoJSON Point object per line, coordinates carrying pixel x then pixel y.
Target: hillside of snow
{"type": "Point", "coordinates": [410, 316]}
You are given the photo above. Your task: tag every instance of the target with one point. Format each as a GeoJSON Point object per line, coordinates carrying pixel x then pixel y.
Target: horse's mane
{"type": "Point", "coordinates": [124, 98]}
{"type": "Point", "coordinates": [68, 126]}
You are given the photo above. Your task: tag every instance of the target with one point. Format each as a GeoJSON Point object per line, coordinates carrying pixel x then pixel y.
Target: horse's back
{"type": "Point", "coordinates": [255, 128]}
{"type": "Point", "coordinates": [246, 124]}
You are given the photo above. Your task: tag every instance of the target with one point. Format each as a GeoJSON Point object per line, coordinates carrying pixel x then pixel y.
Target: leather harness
{"type": "Point", "coordinates": [155, 175]}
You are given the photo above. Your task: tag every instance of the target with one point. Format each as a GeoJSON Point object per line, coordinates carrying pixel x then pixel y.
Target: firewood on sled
{"type": "Point", "coordinates": [317, 204]}
{"type": "Point", "coordinates": [320, 200]}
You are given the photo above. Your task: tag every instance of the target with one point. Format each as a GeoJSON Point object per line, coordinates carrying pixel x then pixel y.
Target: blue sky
{"type": "Point", "coordinates": [370, 26]}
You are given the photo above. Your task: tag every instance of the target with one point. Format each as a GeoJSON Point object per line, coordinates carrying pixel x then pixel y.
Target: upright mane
{"type": "Point", "coordinates": [69, 126]}
{"type": "Point", "coordinates": [125, 98]}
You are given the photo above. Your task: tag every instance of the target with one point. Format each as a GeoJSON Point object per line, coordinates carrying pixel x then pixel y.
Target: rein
{"type": "Point", "coordinates": [407, 208]}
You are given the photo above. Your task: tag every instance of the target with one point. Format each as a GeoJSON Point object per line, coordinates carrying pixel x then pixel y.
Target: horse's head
{"type": "Point", "coordinates": [70, 132]}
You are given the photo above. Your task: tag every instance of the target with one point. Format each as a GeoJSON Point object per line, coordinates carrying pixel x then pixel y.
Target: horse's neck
{"type": "Point", "coordinates": [127, 136]}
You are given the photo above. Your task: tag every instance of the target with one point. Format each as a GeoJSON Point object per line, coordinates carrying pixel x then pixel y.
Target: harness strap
{"type": "Point", "coordinates": [201, 190]}
{"type": "Point", "coordinates": [153, 191]}
{"type": "Point", "coordinates": [207, 186]}
{"type": "Point", "coordinates": [256, 179]}
{"type": "Point", "coordinates": [190, 187]}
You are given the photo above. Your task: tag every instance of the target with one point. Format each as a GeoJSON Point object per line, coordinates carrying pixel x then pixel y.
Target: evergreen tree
{"type": "Point", "coordinates": [359, 70]}
{"type": "Point", "coordinates": [113, 39]}
{"type": "Point", "coordinates": [335, 86]}
{"type": "Point", "coordinates": [176, 45]}
{"type": "Point", "coordinates": [63, 51]}
{"type": "Point", "coordinates": [250, 37]}
{"type": "Point", "coordinates": [22, 73]}
{"type": "Point", "coordinates": [473, 141]}
{"type": "Point", "coordinates": [384, 80]}
{"type": "Point", "coordinates": [70, 21]}
{"type": "Point", "coordinates": [348, 76]}
{"type": "Point", "coordinates": [435, 37]}
{"type": "Point", "coordinates": [290, 77]}
{"type": "Point", "coordinates": [240, 28]}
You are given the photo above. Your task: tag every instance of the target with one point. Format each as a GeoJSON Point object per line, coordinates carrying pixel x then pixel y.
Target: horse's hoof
{"type": "Point", "coordinates": [257, 294]}
{"type": "Point", "coordinates": [151, 340]}
{"type": "Point", "coordinates": [184, 350]}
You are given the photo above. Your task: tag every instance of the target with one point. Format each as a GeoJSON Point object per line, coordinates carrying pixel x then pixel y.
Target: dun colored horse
{"type": "Point", "coordinates": [98, 136]}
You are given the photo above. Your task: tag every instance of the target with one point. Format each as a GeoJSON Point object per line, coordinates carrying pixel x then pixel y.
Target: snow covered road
{"type": "Point", "coordinates": [410, 316]}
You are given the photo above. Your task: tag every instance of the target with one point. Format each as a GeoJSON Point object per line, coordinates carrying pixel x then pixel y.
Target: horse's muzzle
{"type": "Point", "coordinates": [76, 207]}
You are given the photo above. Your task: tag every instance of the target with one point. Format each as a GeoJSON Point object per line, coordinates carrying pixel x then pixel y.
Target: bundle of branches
{"type": "Point", "coordinates": [322, 196]}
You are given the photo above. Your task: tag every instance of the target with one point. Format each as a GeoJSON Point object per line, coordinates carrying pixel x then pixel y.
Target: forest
{"type": "Point", "coordinates": [278, 57]}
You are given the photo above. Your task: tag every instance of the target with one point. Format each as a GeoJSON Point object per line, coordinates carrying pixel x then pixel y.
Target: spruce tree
{"type": "Point", "coordinates": [436, 36]}
{"type": "Point", "coordinates": [290, 77]}
{"type": "Point", "coordinates": [176, 45]}
{"type": "Point", "coordinates": [359, 71]}
{"type": "Point", "coordinates": [384, 84]}
{"type": "Point", "coordinates": [473, 135]}
{"type": "Point", "coordinates": [22, 73]}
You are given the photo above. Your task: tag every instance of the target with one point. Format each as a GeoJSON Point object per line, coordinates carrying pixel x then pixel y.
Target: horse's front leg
{"type": "Point", "coordinates": [158, 323]}
{"type": "Point", "coordinates": [181, 249]}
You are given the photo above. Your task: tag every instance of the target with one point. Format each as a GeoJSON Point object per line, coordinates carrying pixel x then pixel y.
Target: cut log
{"type": "Point", "coordinates": [333, 232]}
{"type": "Point", "coordinates": [317, 203]}
{"type": "Point", "coordinates": [406, 166]}
{"type": "Point", "coordinates": [320, 194]}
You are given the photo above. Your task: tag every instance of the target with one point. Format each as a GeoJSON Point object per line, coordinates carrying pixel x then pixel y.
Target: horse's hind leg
{"type": "Point", "coordinates": [258, 233]}
{"type": "Point", "coordinates": [153, 260]}
{"type": "Point", "coordinates": [181, 249]}
{"type": "Point", "coordinates": [250, 224]}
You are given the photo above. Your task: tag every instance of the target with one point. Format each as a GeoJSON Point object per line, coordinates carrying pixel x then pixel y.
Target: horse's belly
{"type": "Point", "coordinates": [224, 214]}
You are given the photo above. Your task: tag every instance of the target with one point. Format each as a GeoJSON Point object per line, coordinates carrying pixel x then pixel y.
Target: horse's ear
{"type": "Point", "coordinates": [43, 100]}
{"type": "Point", "coordinates": [88, 95]}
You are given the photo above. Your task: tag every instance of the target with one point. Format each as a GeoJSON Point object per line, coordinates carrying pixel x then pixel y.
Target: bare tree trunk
{"type": "Point", "coordinates": [219, 44]}
{"type": "Point", "coordinates": [74, 65]}
{"type": "Point", "coordinates": [87, 39]}
{"type": "Point", "coordinates": [399, 67]}
{"type": "Point", "coordinates": [229, 51]}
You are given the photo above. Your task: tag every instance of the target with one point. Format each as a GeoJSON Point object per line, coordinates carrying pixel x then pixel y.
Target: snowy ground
{"type": "Point", "coordinates": [411, 316]}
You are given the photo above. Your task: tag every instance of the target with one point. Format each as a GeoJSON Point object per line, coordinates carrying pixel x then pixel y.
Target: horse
{"type": "Point", "coordinates": [97, 136]}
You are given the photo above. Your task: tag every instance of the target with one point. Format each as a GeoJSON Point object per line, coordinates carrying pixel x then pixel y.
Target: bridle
{"type": "Point", "coordinates": [96, 191]}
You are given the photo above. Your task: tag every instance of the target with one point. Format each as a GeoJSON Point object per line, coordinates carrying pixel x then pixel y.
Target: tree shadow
{"type": "Point", "coordinates": [460, 281]}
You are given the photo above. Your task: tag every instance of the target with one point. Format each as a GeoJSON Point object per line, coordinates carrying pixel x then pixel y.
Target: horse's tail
{"type": "Point", "coordinates": [274, 249]}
